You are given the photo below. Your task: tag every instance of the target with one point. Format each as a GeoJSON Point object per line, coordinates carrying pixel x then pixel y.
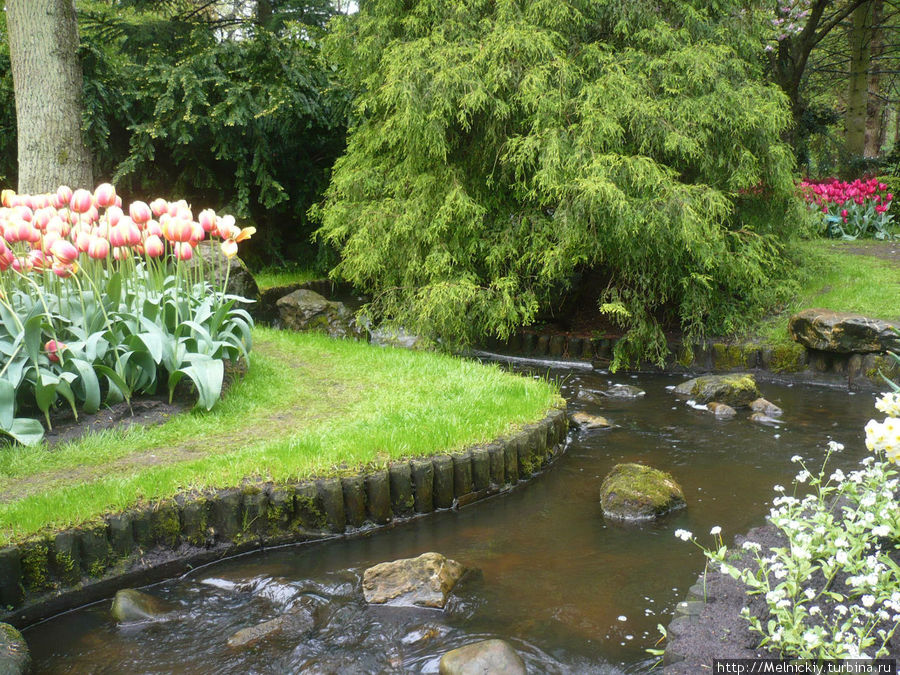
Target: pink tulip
{"type": "Point", "coordinates": [82, 241]}
{"type": "Point", "coordinates": [159, 206]}
{"type": "Point", "coordinates": [105, 195]}
{"type": "Point", "coordinates": [63, 196]}
{"type": "Point", "coordinates": [64, 251]}
{"type": "Point", "coordinates": [207, 220]}
{"type": "Point", "coordinates": [154, 246]}
{"type": "Point", "coordinates": [81, 201]}
{"type": "Point", "coordinates": [153, 228]}
{"type": "Point", "coordinates": [64, 271]}
{"type": "Point", "coordinates": [114, 215]}
{"type": "Point", "coordinates": [98, 248]}
{"type": "Point", "coordinates": [184, 251]}
{"type": "Point", "coordinates": [52, 347]}
{"type": "Point", "coordinates": [140, 212]}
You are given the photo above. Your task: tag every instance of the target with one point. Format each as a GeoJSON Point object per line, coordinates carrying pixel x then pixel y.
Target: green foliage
{"type": "Point", "coordinates": [228, 113]}
{"type": "Point", "coordinates": [501, 147]}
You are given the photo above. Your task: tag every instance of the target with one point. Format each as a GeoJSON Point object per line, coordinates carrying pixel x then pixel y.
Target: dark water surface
{"type": "Point", "coordinates": [573, 593]}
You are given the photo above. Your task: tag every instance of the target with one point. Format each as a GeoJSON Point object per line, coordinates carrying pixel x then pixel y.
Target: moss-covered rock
{"type": "Point", "coordinates": [829, 331]}
{"type": "Point", "coordinates": [14, 656]}
{"type": "Point", "coordinates": [585, 421]}
{"type": "Point", "coordinates": [737, 390]}
{"type": "Point", "coordinates": [131, 605]}
{"type": "Point", "coordinates": [638, 492]}
{"type": "Point", "coordinates": [787, 358]}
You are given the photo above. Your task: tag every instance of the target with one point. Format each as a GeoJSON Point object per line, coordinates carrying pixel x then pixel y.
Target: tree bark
{"type": "Point", "coordinates": [875, 106]}
{"type": "Point", "coordinates": [47, 79]}
{"type": "Point", "coordinates": [858, 81]}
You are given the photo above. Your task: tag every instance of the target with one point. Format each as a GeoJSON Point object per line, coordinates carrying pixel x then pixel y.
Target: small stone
{"type": "Point", "coordinates": [425, 581]}
{"type": "Point", "coordinates": [765, 407]}
{"type": "Point", "coordinates": [131, 605]}
{"type": "Point", "coordinates": [585, 421]}
{"type": "Point", "coordinates": [638, 492]}
{"type": "Point", "coordinates": [721, 410]}
{"type": "Point", "coordinates": [490, 656]}
{"type": "Point", "coordinates": [15, 658]}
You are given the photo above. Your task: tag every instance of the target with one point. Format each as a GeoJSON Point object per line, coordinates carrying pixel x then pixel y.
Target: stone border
{"type": "Point", "coordinates": [686, 615]}
{"type": "Point", "coordinates": [791, 362]}
{"type": "Point", "coordinates": [55, 572]}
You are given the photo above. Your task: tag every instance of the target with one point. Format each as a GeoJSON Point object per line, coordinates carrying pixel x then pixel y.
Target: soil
{"type": "Point", "coordinates": [884, 250]}
{"type": "Point", "coordinates": [145, 411]}
{"type": "Point", "coordinates": [720, 632]}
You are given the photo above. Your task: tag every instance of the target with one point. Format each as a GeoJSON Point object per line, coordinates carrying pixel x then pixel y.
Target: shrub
{"type": "Point", "coordinates": [96, 305]}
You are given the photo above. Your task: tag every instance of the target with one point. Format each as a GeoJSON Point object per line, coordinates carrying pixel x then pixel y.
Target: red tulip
{"type": "Point", "coordinates": [52, 347]}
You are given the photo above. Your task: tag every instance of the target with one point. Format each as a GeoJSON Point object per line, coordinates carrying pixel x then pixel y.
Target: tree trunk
{"type": "Point", "coordinates": [858, 83]}
{"type": "Point", "coordinates": [875, 108]}
{"type": "Point", "coordinates": [47, 78]}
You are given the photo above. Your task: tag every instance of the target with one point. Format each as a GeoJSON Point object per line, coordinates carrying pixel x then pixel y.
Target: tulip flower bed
{"type": "Point", "coordinates": [97, 305]}
{"type": "Point", "coordinates": [854, 210]}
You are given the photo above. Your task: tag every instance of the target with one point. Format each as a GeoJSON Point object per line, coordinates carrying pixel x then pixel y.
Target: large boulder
{"type": "Point", "coordinates": [216, 266]}
{"type": "Point", "coordinates": [829, 331]}
{"type": "Point", "coordinates": [14, 656]}
{"type": "Point", "coordinates": [131, 605]}
{"type": "Point", "coordinates": [496, 657]}
{"type": "Point", "coordinates": [306, 310]}
{"type": "Point", "coordinates": [425, 581]}
{"type": "Point", "coordinates": [638, 492]}
{"type": "Point", "coordinates": [737, 389]}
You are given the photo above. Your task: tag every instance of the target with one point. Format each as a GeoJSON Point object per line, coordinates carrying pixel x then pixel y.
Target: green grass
{"type": "Point", "coordinates": [835, 278]}
{"type": "Point", "coordinates": [270, 277]}
{"type": "Point", "coordinates": [309, 406]}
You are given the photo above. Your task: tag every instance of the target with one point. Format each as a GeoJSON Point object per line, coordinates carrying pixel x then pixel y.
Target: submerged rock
{"type": "Point", "coordinates": [425, 581]}
{"type": "Point", "coordinates": [626, 391]}
{"type": "Point", "coordinates": [841, 332]}
{"type": "Point", "coordinates": [585, 421]}
{"type": "Point", "coordinates": [388, 337]}
{"type": "Point", "coordinates": [638, 492]}
{"type": "Point", "coordinates": [300, 619]}
{"type": "Point", "coordinates": [589, 396]}
{"type": "Point", "coordinates": [762, 418]}
{"type": "Point", "coordinates": [765, 407]}
{"type": "Point", "coordinates": [15, 658]}
{"type": "Point", "coordinates": [306, 310]}
{"type": "Point", "coordinates": [496, 657]}
{"type": "Point", "coordinates": [721, 410]}
{"type": "Point", "coordinates": [132, 605]}
{"type": "Point", "coordinates": [737, 390]}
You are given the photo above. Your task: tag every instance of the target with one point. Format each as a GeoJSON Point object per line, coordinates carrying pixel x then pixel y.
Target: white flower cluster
{"type": "Point", "coordinates": [884, 437]}
{"type": "Point", "coordinates": [850, 542]}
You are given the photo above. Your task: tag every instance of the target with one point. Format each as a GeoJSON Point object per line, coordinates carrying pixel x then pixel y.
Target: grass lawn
{"type": "Point", "coordinates": [270, 277]}
{"type": "Point", "coordinates": [309, 406]}
{"type": "Point", "coordinates": [847, 276]}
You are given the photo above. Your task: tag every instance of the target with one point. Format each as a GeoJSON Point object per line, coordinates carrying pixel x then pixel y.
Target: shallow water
{"type": "Point", "coordinates": [573, 593]}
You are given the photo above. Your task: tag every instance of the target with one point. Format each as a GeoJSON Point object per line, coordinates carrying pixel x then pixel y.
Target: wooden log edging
{"type": "Point", "coordinates": [791, 362]}
{"type": "Point", "coordinates": [57, 571]}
